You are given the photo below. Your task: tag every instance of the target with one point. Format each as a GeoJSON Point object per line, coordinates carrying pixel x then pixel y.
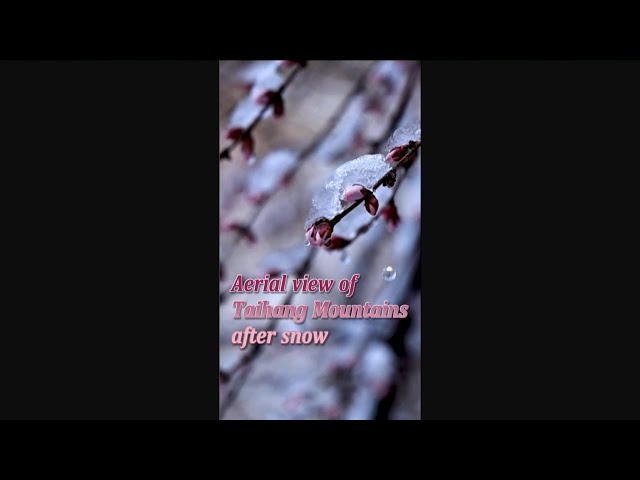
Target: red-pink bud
{"type": "Point", "coordinates": [263, 97]}
{"type": "Point", "coordinates": [247, 146]}
{"type": "Point", "coordinates": [323, 233]}
{"type": "Point", "coordinates": [390, 216]}
{"type": "Point", "coordinates": [319, 233]}
{"type": "Point", "coordinates": [371, 204]}
{"type": "Point", "coordinates": [399, 153]}
{"type": "Point", "coordinates": [354, 192]}
{"type": "Point", "coordinates": [234, 133]}
{"type": "Point", "coordinates": [394, 155]}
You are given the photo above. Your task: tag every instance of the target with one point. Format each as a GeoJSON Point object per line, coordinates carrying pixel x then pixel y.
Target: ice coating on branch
{"type": "Point", "coordinates": [269, 79]}
{"type": "Point", "coordinates": [269, 173]}
{"type": "Point", "coordinates": [328, 201]}
{"type": "Point", "coordinates": [254, 70]}
{"type": "Point", "coordinates": [245, 112]}
{"type": "Point", "coordinates": [403, 135]}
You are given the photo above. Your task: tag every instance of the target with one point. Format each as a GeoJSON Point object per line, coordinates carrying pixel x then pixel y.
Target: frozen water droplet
{"type": "Point", "coordinates": [345, 258]}
{"type": "Point", "coordinates": [307, 243]}
{"type": "Point", "coordinates": [389, 274]}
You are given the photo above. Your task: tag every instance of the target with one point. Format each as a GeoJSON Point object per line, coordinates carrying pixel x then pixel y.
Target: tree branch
{"type": "Point", "coordinates": [384, 179]}
{"type": "Point", "coordinates": [226, 152]}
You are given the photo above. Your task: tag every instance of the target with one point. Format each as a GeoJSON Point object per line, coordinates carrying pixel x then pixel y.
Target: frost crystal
{"type": "Point", "coordinates": [255, 70]}
{"type": "Point", "coordinates": [403, 135]}
{"type": "Point", "coordinates": [271, 170]}
{"type": "Point", "coordinates": [269, 79]}
{"type": "Point", "coordinates": [327, 202]}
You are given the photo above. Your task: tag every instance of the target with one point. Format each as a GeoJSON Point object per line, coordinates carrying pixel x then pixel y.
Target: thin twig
{"type": "Point", "coordinates": [226, 152]}
{"type": "Point", "coordinates": [386, 177]}
{"type": "Point", "coordinates": [305, 154]}
{"type": "Point", "coordinates": [329, 126]}
{"type": "Point", "coordinates": [244, 365]}
{"type": "Point", "coordinates": [246, 360]}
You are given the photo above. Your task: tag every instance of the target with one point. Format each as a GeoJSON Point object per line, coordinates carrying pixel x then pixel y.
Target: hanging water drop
{"type": "Point", "coordinates": [345, 258]}
{"type": "Point", "coordinates": [307, 243]}
{"type": "Point", "coordinates": [252, 160]}
{"type": "Point", "coordinates": [389, 274]}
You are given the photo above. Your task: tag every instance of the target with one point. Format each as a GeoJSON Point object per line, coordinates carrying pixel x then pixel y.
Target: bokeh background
{"type": "Point", "coordinates": [335, 111]}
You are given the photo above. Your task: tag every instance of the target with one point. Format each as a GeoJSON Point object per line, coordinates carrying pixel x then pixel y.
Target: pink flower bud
{"type": "Point", "coordinates": [323, 233]}
{"type": "Point", "coordinates": [399, 153]}
{"type": "Point", "coordinates": [319, 233]}
{"type": "Point", "coordinates": [247, 146]}
{"type": "Point", "coordinates": [394, 155]}
{"type": "Point", "coordinates": [390, 216]}
{"type": "Point", "coordinates": [263, 97]}
{"type": "Point", "coordinates": [371, 204]}
{"type": "Point", "coordinates": [234, 133]}
{"type": "Point", "coordinates": [354, 192]}
{"type": "Point", "coordinates": [270, 97]}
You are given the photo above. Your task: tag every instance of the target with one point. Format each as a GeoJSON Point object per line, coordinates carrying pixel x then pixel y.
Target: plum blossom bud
{"type": "Point", "coordinates": [319, 234]}
{"type": "Point", "coordinates": [270, 97]}
{"type": "Point", "coordinates": [247, 146]}
{"type": "Point", "coordinates": [371, 204]}
{"type": "Point", "coordinates": [399, 153]}
{"type": "Point", "coordinates": [234, 133]}
{"type": "Point", "coordinates": [390, 216]}
{"type": "Point", "coordinates": [394, 155]}
{"type": "Point", "coordinates": [354, 192]}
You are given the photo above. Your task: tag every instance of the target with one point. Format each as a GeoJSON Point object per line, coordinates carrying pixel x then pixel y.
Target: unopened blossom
{"type": "Point", "coordinates": [234, 133]}
{"type": "Point", "coordinates": [319, 234]}
{"type": "Point", "coordinates": [390, 215]}
{"type": "Point", "coordinates": [398, 154]}
{"type": "Point", "coordinates": [354, 192]}
{"type": "Point", "coordinates": [371, 204]}
{"type": "Point", "coordinates": [246, 146]}
{"type": "Point", "coordinates": [273, 98]}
